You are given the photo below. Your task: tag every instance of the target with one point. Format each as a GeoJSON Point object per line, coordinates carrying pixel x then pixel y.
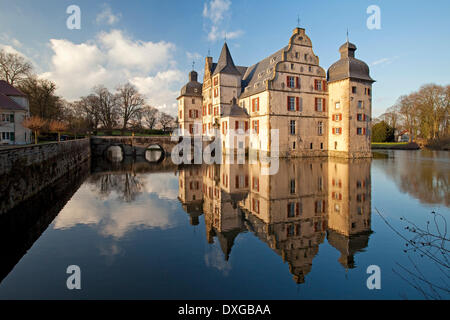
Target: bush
{"type": "Point", "coordinates": [382, 132]}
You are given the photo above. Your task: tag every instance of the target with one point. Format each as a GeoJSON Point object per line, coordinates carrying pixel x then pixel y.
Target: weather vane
{"type": "Point", "coordinates": [347, 34]}
{"type": "Point", "coordinates": [193, 65]}
{"type": "Point", "coordinates": [298, 21]}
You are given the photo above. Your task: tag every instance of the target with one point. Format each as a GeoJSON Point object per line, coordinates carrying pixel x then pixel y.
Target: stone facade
{"type": "Point", "coordinates": [26, 170]}
{"type": "Point", "coordinates": [290, 92]}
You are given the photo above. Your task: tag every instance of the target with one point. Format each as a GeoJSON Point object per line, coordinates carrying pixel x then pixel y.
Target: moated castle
{"type": "Point", "coordinates": [316, 113]}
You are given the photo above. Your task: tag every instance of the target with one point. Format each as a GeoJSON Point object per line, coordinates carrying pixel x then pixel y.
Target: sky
{"type": "Point", "coordinates": [153, 44]}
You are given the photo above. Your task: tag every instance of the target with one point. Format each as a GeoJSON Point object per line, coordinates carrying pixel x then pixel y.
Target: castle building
{"type": "Point", "coordinates": [316, 113]}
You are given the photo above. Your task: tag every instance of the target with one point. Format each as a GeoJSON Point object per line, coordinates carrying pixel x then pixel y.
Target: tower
{"type": "Point", "coordinates": [350, 105]}
{"type": "Point", "coordinates": [190, 106]}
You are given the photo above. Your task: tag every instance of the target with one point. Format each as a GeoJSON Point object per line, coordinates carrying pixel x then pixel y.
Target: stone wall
{"type": "Point", "coordinates": [25, 170]}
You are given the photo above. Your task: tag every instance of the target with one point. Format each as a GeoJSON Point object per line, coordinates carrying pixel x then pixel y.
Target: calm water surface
{"type": "Point", "coordinates": [140, 231]}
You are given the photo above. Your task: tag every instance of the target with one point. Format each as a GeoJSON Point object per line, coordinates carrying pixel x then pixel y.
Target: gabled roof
{"type": "Point", "coordinates": [255, 76]}
{"type": "Point", "coordinates": [9, 90]}
{"type": "Point", "coordinates": [233, 111]}
{"type": "Point", "coordinates": [225, 63]}
{"type": "Point", "coordinates": [7, 103]}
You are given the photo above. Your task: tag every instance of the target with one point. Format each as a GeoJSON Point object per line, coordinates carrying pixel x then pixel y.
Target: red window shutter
{"type": "Point", "coordinates": [246, 126]}
{"type": "Point", "coordinates": [333, 130]}
{"type": "Point", "coordinates": [324, 85]}
{"type": "Point", "coordinates": [287, 81]}
{"type": "Point", "coordinates": [315, 207]}
{"type": "Point", "coordinates": [236, 125]}
{"type": "Point", "coordinates": [297, 83]}
{"type": "Point", "coordinates": [364, 131]}
{"type": "Point", "coordinates": [315, 85]}
{"type": "Point", "coordinates": [237, 181]}
{"type": "Point", "coordinates": [315, 102]}
{"type": "Point", "coordinates": [257, 184]}
{"type": "Point", "coordinates": [288, 103]}
{"type": "Point", "coordinates": [246, 181]}
{"type": "Point", "coordinates": [323, 206]}
{"type": "Point", "coordinates": [297, 103]}
{"type": "Point", "coordinates": [253, 105]}
{"type": "Point", "coordinates": [257, 128]}
{"type": "Point", "coordinates": [333, 117]}
{"type": "Point", "coordinates": [257, 104]}
{"type": "Point", "coordinates": [223, 128]}
{"type": "Point", "coordinates": [323, 105]}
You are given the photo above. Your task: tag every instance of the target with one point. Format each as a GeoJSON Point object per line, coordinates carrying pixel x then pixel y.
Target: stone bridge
{"type": "Point", "coordinates": [153, 148]}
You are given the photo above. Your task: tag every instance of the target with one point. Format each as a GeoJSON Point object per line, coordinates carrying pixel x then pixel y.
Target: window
{"type": "Point", "coordinates": [216, 81]}
{"type": "Point", "coordinates": [369, 92]}
{"type": "Point", "coordinates": [361, 117]}
{"type": "Point", "coordinates": [305, 56]}
{"type": "Point", "coordinates": [361, 131]}
{"type": "Point", "coordinates": [296, 55]}
{"type": "Point", "coordinates": [321, 146]}
{"type": "Point", "coordinates": [291, 210]}
{"type": "Point", "coordinates": [310, 69]}
{"type": "Point", "coordinates": [337, 117]}
{"type": "Point", "coordinates": [181, 114]}
{"type": "Point", "coordinates": [216, 92]}
{"type": "Point", "coordinates": [292, 186]}
{"type": "Point", "coordinates": [360, 104]}
{"type": "Point", "coordinates": [353, 89]}
{"type": "Point", "coordinates": [8, 136]}
{"type": "Point", "coordinates": [311, 145]}
{"type": "Point", "coordinates": [293, 145]}
{"type": "Point", "coordinates": [292, 127]}
{"type": "Point", "coordinates": [255, 105]}
{"type": "Point", "coordinates": [292, 82]}
{"type": "Point", "coordinates": [320, 104]}
{"type": "Point", "coordinates": [338, 105]}
{"type": "Point", "coordinates": [7, 117]}
{"type": "Point", "coordinates": [291, 103]}
{"type": "Point", "coordinates": [292, 66]}
{"type": "Point", "coordinates": [255, 124]}
{"type": "Point", "coordinates": [320, 128]}
{"type": "Point", "coordinates": [255, 183]}
{"type": "Point", "coordinates": [210, 109]}
{"type": "Point", "coordinates": [318, 85]}
{"type": "Point", "coordinates": [337, 130]}
{"type": "Point", "coordinates": [335, 145]}
{"type": "Point", "coordinates": [193, 101]}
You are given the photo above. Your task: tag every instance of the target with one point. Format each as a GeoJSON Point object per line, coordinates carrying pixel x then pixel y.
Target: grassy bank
{"type": "Point", "coordinates": [395, 145]}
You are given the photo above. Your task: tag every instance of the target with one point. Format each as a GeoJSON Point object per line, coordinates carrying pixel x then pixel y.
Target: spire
{"type": "Point", "coordinates": [225, 63]}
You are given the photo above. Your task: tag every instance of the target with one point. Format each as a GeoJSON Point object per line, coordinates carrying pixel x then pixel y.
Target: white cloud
{"type": "Point", "coordinates": [106, 16]}
{"type": "Point", "coordinates": [384, 61]}
{"type": "Point", "coordinates": [215, 13]}
{"type": "Point", "coordinates": [151, 209]}
{"type": "Point", "coordinates": [113, 58]}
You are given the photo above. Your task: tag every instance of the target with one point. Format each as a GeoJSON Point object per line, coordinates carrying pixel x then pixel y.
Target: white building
{"type": "Point", "coordinates": [14, 107]}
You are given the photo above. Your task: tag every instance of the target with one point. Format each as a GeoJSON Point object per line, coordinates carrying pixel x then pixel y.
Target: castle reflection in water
{"type": "Point", "coordinates": [292, 211]}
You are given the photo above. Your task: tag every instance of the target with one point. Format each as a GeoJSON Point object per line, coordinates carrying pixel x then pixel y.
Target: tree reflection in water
{"type": "Point", "coordinates": [431, 243]}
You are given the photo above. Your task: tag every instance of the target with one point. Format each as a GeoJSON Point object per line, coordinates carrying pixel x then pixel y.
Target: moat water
{"type": "Point", "coordinates": [141, 231]}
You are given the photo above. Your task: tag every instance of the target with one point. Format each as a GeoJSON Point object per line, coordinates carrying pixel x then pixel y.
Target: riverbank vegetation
{"type": "Point", "coordinates": [421, 116]}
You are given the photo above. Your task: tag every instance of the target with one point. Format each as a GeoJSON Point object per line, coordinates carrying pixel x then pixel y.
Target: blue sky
{"type": "Point", "coordinates": [153, 43]}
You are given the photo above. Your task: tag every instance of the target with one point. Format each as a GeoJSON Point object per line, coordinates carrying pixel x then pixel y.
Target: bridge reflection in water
{"type": "Point", "coordinates": [292, 211]}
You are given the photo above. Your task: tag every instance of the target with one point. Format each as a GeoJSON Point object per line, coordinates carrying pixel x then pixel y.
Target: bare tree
{"type": "Point", "coordinates": [35, 124]}
{"type": "Point", "coordinates": [150, 116]}
{"type": "Point", "coordinates": [106, 104]}
{"type": "Point", "coordinates": [13, 67]}
{"type": "Point", "coordinates": [130, 102]}
{"type": "Point", "coordinates": [166, 121]}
